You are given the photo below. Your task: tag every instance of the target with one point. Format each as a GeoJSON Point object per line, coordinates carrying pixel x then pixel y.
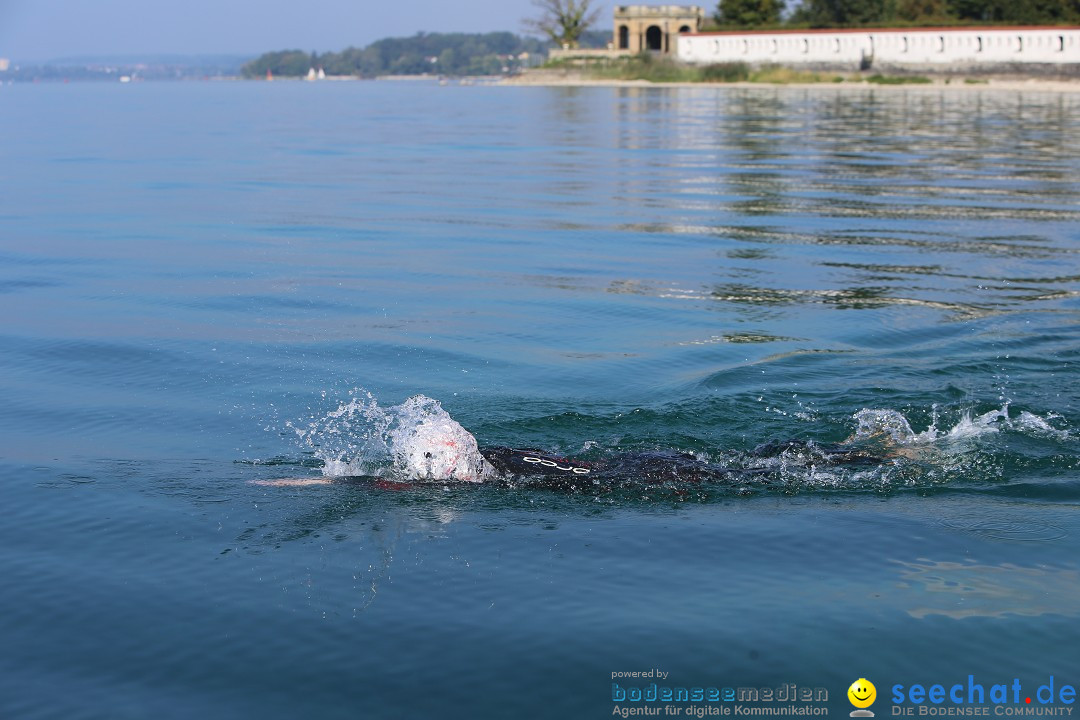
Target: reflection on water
{"type": "Point", "coordinates": [757, 207]}
{"type": "Point", "coordinates": [971, 589]}
{"type": "Point", "coordinates": [990, 177]}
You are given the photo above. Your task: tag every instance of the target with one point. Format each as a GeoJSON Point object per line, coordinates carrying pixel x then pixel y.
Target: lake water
{"type": "Point", "coordinates": [209, 284]}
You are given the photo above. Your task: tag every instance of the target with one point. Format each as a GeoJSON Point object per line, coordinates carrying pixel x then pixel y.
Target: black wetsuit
{"type": "Point", "coordinates": [663, 466]}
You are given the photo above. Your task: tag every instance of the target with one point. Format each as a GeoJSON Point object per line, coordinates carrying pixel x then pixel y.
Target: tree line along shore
{"type": "Point", "coordinates": [570, 23]}
{"type": "Point", "coordinates": [524, 59]}
{"type": "Point", "coordinates": [455, 54]}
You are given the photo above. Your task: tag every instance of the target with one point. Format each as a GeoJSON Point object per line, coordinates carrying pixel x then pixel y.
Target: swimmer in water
{"type": "Point", "coordinates": [426, 444]}
{"type": "Point", "coordinates": [438, 449]}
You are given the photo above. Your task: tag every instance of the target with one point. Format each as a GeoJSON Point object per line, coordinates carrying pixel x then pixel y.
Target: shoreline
{"type": "Point", "coordinates": [560, 78]}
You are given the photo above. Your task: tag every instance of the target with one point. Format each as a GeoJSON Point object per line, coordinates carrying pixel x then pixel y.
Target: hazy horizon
{"type": "Point", "coordinates": [35, 31]}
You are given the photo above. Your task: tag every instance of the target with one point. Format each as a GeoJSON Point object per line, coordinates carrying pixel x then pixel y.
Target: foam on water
{"type": "Point", "coordinates": [947, 451]}
{"type": "Point", "coordinates": [1035, 425]}
{"type": "Point", "coordinates": [892, 427]}
{"type": "Point", "coordinates": [428, 444]}
{"type": "Point", "coordinates": [416, 440]}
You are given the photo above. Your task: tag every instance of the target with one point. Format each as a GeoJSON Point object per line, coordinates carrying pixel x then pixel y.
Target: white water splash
{"type": "Point", "coordinates": [893, 428]}
{"type": "Point", "coordinates": [887, 424]}
{"type": "Point", "coordinates": [1035, 425]}
{"type": "Point", "coordinates": [428, 444]}
{"type": "Point", "coordinates": [416, 440]}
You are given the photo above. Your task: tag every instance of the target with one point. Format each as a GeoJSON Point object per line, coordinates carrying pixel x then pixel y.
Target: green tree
{"type": "Point", "coordinates": [448, 62]}
{"type": "Point", "coordinates": [564, 21]}
{"type": "Point", "coordinates": [843, 13]}
{"type": "Point", "coordinates": [1020, 12]}
{"type": "Point", "coordinates": [749, 13]}
{"type": "Point", "coordinates": [923, 11]}
{"type": "Point", "coordinates": [446, 53]}
{"type": "Point", "coordinates": [283, 63]}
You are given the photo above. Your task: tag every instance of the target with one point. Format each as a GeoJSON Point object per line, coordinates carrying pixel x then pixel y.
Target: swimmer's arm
{"type": "Point", "coordinates": [293, 482]}
{"type": "Point", "coordinates": [889, 449]}
{"type": "Point", "coordinates": [378, 483]}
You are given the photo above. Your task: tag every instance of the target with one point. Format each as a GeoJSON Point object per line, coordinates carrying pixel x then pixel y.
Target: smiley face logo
{"type": "Point", "coordinates": [862, 694]}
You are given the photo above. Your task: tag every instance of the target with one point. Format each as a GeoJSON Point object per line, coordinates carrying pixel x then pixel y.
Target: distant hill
{"type": "Point", "coordinates": [424, 53]}
{"type": "Point", "coordinates": [218, 61]}
{"type": "Point", "coordinates": [145, 67]}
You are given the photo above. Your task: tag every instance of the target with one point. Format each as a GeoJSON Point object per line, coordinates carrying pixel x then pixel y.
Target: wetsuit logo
{"type": "Point", "coordinates": [552, 464]}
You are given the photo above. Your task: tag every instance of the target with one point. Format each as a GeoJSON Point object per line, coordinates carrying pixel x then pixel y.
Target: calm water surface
{"type": "Point", "coordinates": [209, 284]}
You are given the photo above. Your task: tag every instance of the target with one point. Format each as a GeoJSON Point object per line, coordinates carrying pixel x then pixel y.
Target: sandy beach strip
{"type": "Point", "coordinates": [559, 78]}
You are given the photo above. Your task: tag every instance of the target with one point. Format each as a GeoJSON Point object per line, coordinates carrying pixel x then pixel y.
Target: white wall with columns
{"type": "Point", "coordinates": [941, 48]}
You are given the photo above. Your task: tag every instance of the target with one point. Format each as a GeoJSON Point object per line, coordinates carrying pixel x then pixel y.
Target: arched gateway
{"type": "Point", "coordinates": [655, 28]}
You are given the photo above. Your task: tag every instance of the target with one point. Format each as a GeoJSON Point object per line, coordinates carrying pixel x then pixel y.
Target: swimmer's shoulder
{"type": "Point", "coordinates": [527, 461]}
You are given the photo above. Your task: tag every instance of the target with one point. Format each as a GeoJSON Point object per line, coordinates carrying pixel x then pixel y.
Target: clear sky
{"type": "Point", "coordinates": [39, 30]}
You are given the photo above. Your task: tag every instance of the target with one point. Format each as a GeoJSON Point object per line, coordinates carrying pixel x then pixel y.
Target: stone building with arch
{"type": "Point", "coordinates": [654, 28]}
